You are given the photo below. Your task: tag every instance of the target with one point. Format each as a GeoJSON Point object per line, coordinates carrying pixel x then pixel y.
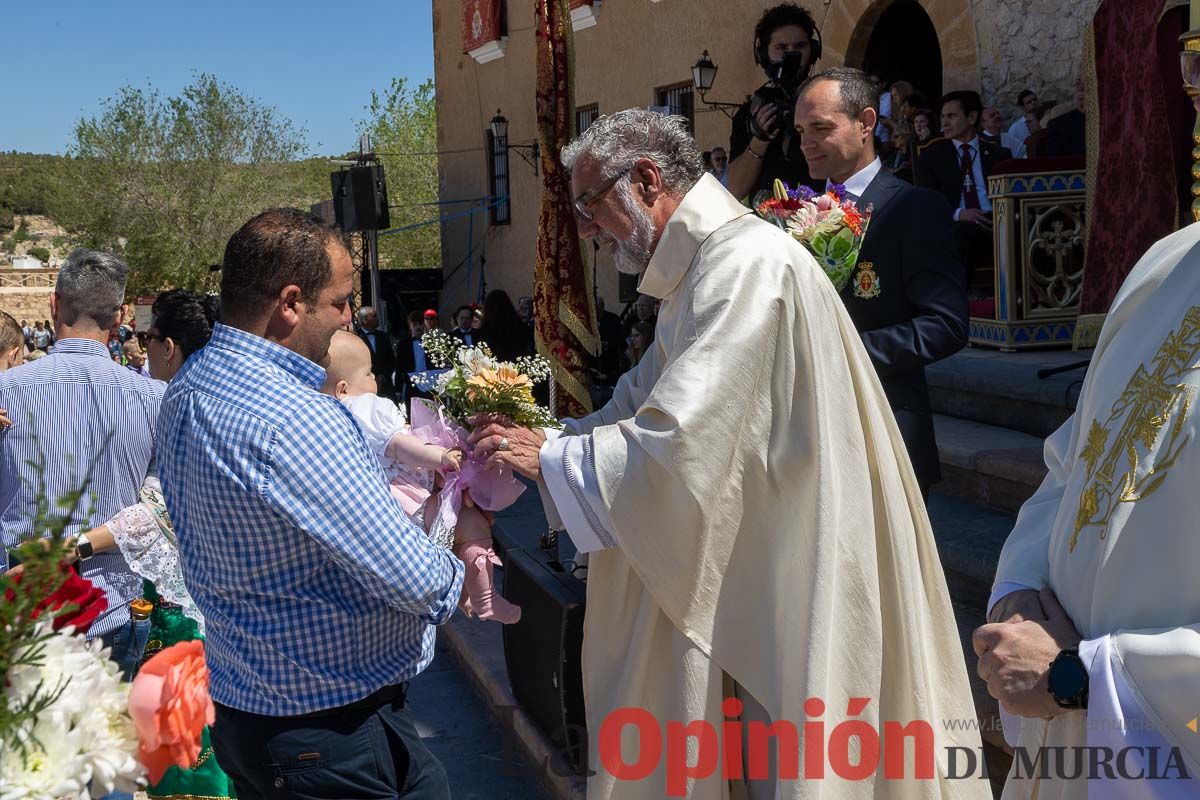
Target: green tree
{"type": "Point", "coordinates": [403, 129]}
{"type": "Point", "coordinates": [40, 253]}
{"type": "Point", "coordinates": [165, 181]}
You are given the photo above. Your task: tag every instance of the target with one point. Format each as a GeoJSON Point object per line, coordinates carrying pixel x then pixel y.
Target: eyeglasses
{"type": "Point", "coordinates": [154, 337]}
{"type": "Point", "coordinates": [587, 198]}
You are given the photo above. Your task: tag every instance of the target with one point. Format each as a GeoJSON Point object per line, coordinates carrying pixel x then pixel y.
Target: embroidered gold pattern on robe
{"type": "Point", "coordinates": [1133, 466]}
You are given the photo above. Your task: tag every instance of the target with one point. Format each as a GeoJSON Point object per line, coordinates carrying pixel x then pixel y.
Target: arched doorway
{"type": "Point", "coordinates": [902, 45]}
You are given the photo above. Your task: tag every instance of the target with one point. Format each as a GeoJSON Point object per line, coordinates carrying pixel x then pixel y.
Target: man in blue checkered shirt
{"type": "Point", "coordinates": [319, 594]}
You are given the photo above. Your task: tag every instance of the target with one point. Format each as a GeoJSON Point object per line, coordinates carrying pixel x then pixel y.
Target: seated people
{"type": "Point", "coordinates": [958, 168]}
{"type": "Point", "coordinates": [1066, 134]}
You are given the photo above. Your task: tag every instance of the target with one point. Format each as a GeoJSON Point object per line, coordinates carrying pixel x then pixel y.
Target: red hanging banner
{"type": "Point", "coordinates": [481, 23]}
{"type": "Point", "coordinates": [565, 327]}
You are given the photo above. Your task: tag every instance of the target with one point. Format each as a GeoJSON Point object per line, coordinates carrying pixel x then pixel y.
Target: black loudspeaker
{"type": "Point", "coordinates": [405, 281]}
{"type": "Point", "coordinates": [542, 651]}
{"type": "Point", "coordinates": [360, 198]}
{"type": "Point", "coordinates": [627, 287]}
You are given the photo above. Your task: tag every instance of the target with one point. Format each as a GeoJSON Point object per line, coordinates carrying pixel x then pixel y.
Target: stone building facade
{"type": "Point", "coordinates": [26, 293]}
{"type": "Point", "coordinates": [640, 53]}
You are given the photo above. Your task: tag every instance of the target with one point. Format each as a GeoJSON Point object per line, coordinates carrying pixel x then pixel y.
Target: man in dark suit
{"type": "Point", "coordinates": [958, 169]}
{"type": "Point", "coordinates": [1066, 134]}
{"type": "Point", "coordinates": [383, 354]}
{"type": "Point", "coordinates": [410, 358]}
{"type": "Point", "coordinates": [463, 318]}
{"type": "Point", "coordinates": [906, 296]}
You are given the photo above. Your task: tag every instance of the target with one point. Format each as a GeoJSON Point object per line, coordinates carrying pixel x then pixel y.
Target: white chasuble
{"type": "Point", "coordinates": [1112, 530]}
{"type": "Point", "coordinates": [765, 528]}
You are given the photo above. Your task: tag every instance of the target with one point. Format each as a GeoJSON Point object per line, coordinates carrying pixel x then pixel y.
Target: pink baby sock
{"type": "Point", "coordinates": [479, 558]}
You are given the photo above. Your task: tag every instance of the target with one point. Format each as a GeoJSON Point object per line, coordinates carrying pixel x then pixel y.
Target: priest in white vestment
{"type": "Point", "coordinates": [1110, 541]}
{"type": "Point", "coordinates": [755, 527]}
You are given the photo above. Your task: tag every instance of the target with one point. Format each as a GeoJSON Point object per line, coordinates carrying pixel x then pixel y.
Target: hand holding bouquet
{"type": "Point", "coordinates": [829, 225]}
{"type": "Point", "coordinates": [475, 383]}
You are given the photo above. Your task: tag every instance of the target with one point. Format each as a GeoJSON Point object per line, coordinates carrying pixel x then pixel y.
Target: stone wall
{"type": "Point", "coordinates": [1032, 44]}
{"type": "Point", "coordinates": [26, 293]}
{"type": "Point", "coordinates": [30, 304]}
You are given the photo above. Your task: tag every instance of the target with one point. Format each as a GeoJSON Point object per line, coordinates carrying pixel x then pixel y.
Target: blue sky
{"type": "Point", "coordinates": [315, 62]}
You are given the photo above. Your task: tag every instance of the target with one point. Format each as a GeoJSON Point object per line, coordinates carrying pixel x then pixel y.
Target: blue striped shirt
{"type": "Point", "coordinates": [63, 407]}
{"type": "Point", "coordinates": [316, 589]}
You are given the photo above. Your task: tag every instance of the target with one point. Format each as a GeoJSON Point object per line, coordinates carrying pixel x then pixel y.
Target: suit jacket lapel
{"type": "Point", "coordinates": [879, 193]}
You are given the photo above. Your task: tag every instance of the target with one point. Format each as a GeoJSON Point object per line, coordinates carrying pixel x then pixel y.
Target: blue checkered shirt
{"type": "Point", "coordinates": [316, 589]}
{"type": "Point", "coordinates": [70, 401]}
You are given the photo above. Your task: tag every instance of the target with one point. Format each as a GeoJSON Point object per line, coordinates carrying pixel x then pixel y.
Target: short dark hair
{"type": "Point", "coordinates": [1026, 93]}
{"type": "Point", "coordinates": [416, 317]}
{"type": "Point", "coordinates": [185, 317]}
{"type": "Point", "coordinates": [279, 247]}
{"type": "Point", "coordinates": [970, 101]}
{"type": "Point", "coordinates": [461, 309]}
{"type": "Point", "coordinates": [781, 16]}
{"type": "Point", "coordinates": [856, 87]}
{"type": "Point", "coordinates": [927, 113]}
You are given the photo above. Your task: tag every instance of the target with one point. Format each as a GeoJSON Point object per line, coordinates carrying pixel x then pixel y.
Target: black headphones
{"type": "Point", "coordinates": [762, 55]}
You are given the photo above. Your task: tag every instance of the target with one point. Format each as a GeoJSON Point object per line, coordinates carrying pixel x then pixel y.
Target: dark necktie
{"type": "Point", "coordinates": [970, 190]}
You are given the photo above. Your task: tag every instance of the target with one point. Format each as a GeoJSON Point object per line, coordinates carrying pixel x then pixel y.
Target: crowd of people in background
{"type": "Point", "coordinates": [508, 331]}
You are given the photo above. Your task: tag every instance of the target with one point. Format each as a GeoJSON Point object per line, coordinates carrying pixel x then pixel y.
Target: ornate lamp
{"type": "Point", "coordinates": [704, 75]}
{"type": "Point", "coordinates": [530, 152]}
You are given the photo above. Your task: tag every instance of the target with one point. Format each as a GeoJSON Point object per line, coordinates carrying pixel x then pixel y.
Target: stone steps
{"type": "Point", "coordinates": [990, 466]}
{"type": "Point", "coordinates": [1003, 389]}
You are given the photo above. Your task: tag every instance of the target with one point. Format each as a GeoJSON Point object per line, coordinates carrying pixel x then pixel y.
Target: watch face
{"type": "Point", "coordinates": [1067, 678]}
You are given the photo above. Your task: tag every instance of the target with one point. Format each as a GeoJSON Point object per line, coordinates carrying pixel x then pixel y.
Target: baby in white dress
{"type": "Point", "coordinates": [411, 465]}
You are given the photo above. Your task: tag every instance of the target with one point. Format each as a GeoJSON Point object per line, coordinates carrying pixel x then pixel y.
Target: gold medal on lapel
{"type": "Point", "coordinates": [866, 282]}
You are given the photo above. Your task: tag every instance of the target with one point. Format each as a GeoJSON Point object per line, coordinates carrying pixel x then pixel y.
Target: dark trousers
{"type": "Point", "coordinates": [975, 245]}
{"type": "Point", "coordinates": [356, 752]}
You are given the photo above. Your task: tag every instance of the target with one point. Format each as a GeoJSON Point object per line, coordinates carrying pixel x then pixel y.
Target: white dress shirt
{"type": "Point", "coordinates": [857, 183]}
{"type": "Point", "coordinates": [1015, 138]}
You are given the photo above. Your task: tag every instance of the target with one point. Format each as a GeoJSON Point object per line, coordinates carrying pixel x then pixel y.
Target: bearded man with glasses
{"type": "Point", "coordinates": [757, 535]}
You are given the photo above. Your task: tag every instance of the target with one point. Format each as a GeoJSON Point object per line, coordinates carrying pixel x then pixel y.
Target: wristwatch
{"type": "Point", "coordinates": [83, 548]}
{"type": "Point", "coordinates": [1067, 680]}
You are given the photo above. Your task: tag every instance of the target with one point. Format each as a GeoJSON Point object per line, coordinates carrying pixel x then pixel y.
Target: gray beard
{"type": "Point", "coordinates": [632, 255]}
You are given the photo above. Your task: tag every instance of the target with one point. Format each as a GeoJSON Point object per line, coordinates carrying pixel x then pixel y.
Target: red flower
{"type": "Point", "coordinates": [779, 208]}
{"type": "Point", "coordinates": [853, 218]}
{"type": "Point", "coordinates": [86, 602]}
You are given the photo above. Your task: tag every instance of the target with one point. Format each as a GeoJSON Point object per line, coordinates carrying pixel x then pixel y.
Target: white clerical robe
{"type": "Point", "coordinates": [1112, 531]}
{"type": "Point", "coordinates": [759, 519]}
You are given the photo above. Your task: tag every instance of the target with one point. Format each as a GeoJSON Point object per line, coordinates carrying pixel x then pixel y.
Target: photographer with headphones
{"type": "Point", "coordinates": [763, 145]}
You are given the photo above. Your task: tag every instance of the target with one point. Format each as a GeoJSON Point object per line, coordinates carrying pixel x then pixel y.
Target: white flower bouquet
{"type": "Point", "coordinates": [476, 383]}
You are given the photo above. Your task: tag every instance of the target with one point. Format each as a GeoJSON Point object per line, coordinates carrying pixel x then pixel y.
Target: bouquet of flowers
{"type": "Point", "coordinates": [474, 382]}
{"type": "Point", "coordinates": [65, 730]}
{"type": "Point", "coordinates": [829, 225]}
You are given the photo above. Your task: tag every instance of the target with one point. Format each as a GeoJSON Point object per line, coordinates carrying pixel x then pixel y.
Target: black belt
{"type": "Point", "coordinates": [388, 695]}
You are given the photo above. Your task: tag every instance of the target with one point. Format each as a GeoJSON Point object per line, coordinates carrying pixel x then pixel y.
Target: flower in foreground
{"type": "Point", "coordinates": [170, 706]}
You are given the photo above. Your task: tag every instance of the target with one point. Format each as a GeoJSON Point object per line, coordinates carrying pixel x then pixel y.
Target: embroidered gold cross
{"type": "Point", "coordinates": [1148, 405]}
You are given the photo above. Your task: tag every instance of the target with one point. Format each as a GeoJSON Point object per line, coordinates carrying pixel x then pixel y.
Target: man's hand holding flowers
{"type": "Point", "coordinates": [507, 445]}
